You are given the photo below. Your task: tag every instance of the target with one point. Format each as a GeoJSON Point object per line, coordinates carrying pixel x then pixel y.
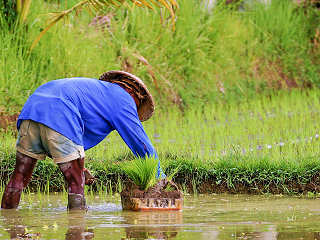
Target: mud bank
{"type": "Point", "coordinates": [228, 175]}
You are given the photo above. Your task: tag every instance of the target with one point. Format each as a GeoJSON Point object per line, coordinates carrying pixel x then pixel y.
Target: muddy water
{"type": "Point", "coordinates": [204, 217]}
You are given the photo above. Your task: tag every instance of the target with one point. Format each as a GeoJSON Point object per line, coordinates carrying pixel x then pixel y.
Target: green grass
{"type": "Point", "coordinates": [271, 144]}
{"type": "Point", "coordinates": [236, 92]}
{"type": "Point", "coordinates": [221, 56]}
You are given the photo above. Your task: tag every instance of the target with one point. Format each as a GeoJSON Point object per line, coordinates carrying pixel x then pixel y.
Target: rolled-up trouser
{"type": "Point", "coordinates": [38, 141]}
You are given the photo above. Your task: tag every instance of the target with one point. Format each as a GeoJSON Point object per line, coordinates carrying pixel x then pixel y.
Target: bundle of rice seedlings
{"type": "Point", "coordinates": [142, 172]}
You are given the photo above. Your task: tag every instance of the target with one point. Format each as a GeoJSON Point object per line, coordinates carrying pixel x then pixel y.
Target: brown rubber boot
{"type": "Point", "coordinates": [11, 198]}
{"type": "Point", "coordinates": [76, 202]}
{"type": "Point", "coordinates": [18, 181]}
{"type": "Point", "coordinates": [73, 172]}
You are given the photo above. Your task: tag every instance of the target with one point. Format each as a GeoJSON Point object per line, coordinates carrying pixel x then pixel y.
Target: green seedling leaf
{"type": "Point", "coordinates": [141, 171]}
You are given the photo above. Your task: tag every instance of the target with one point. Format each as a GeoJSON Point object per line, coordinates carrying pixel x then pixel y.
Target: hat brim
{"type": "Point", "coordinates": [146, 108]}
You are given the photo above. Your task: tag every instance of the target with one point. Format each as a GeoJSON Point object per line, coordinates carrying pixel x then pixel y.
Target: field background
{"type": "Point", "coordinates": [236, 90]}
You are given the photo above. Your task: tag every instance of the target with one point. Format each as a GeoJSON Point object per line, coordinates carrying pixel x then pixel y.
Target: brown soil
{"type": "Point", "coordinates": [258, 187]}
{"type": "Point", "coordinates": [274, 75]}
{"type": "Point", "coordinates": [8, 120]}
{"type": "Point", "coordinates": [158, 191]}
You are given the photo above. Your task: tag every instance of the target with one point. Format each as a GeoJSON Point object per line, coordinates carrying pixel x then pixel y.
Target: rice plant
{"type": "Point", "coordinates": [141, 171]}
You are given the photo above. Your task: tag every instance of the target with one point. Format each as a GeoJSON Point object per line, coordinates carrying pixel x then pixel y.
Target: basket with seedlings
{"type": "Point", "coordinates": [144, 191]}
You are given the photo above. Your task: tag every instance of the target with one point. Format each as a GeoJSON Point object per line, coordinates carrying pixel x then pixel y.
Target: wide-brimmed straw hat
{"type": "Point", "coordinates": [130, 81]}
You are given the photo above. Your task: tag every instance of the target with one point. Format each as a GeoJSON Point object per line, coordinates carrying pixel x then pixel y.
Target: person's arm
{"type": "Point", "coordinates": [128, 125]}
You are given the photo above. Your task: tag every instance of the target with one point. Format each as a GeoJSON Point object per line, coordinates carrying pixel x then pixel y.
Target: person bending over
{"type": "Point", "coordinates": [65, 117]}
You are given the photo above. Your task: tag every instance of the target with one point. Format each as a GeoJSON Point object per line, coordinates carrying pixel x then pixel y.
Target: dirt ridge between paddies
{"type": "Point", "coordinates": [232, 174]}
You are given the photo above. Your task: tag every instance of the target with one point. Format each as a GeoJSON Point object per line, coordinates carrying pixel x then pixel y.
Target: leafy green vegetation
{"type": "Point", "coordinates": [271, 144]}
{"type": "Point", "coordinates": [217, 56]}
{"type": "Point", "coordinates": [237, 92]}
{"type": "Point", "coordinates": [141, 171]}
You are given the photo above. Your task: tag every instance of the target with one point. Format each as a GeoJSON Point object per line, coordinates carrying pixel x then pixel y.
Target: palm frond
{"type": "Point", "coordinates": [99, 5]}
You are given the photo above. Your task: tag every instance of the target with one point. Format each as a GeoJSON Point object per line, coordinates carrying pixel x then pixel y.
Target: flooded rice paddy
{"type": "Point", "coordinates": [204, 217]}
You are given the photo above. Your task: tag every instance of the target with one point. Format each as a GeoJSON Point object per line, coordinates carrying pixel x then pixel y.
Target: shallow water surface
{"type": "Point", "coordinates": [203, 217]}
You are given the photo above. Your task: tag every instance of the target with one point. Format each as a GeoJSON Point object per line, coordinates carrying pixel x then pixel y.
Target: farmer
{"type": "Point", "coordinates": [65, 117]}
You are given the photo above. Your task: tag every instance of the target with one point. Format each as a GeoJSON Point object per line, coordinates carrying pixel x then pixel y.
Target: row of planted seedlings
{"type": "Point", "coordinates": [267, 145]}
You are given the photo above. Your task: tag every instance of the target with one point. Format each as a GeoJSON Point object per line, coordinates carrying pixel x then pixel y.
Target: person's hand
{"type": "Point", "coordinates": [89, 178]}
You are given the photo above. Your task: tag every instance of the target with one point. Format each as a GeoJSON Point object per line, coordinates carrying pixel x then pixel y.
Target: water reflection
{"type": "Point", "coordinates": [77, 226]}
{"type": "Point", "coordinates": [16, 225]}
{"type": "Point", "coordinates": [269, 234]}
{"type": "Point", "coordinates": [152, 225]}
{"type": "Point", "coordinates": [205, 217]}
{"type": "Point", "coordinates": [298, 235]}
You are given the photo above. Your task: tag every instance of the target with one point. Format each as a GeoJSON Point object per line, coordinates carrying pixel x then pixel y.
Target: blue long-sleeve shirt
{"type": "Point", "coordinates": [86, 110]}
